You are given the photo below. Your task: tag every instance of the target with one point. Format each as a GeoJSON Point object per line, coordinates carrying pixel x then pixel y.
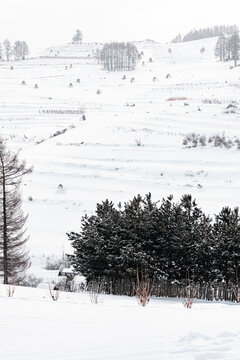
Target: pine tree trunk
{"type": "Point", "coordinates": [5, 255]}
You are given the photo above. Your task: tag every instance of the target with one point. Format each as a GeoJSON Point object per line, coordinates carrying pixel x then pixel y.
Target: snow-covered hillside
{"type": "Point", "coordinates": [34, 327]}
{"type": "Point", "coordinates": [84, 50]}
{"type": "Point", "coordinates": [132, 139]}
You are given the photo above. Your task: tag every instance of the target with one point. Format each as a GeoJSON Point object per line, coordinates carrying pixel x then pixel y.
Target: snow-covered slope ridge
{"type": "Point", "coordinates": [132, 139]}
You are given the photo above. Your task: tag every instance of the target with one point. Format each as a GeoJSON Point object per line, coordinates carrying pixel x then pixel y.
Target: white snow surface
{"type": "Point", "coordinates": [33, 327]}
{"type": "Point", "coordinates": [99, 158]}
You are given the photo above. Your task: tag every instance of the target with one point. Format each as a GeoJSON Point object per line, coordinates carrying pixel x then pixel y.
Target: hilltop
{"type": "Point", "coordinates": [132, 140]}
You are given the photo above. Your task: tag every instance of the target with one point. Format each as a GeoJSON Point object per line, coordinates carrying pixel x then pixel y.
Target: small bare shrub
{"type": "Point", "coordinates": [236, 291]}
{"type": "Point", "coordinates": [236, 288]}
{"type": "Point", "coordinates": [54, 291]}
{"type": "Point", "coordinates": [94, 289]}
{"type": "Point", "coordinates": [138, 142]}
{"type": "Point", "coordinates": [203, 140]}
{"type": "Point", "coordinates": [211, 101]}
{"type": "Point", "coordinates": [29, 280]}
{"type": "Point", "coordinates": [10, 289]}
{"type": "Point", "coordinates": [143, 288]}
{"type": "Point", "coordinates": [190, 293]}
{"type": "Point", "coordinates": [192, 139]}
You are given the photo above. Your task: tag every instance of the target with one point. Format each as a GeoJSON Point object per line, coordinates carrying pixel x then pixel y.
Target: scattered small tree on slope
{"type": "Point", "coordinates": [77, 38]}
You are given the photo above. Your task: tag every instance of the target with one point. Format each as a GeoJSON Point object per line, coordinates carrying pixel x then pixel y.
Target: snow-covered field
{"type": "Point", "coordinates": [130, 143]}
{"type": "Point", "coordinates": [100, 158]}
{"type": "Point", "coordinates": [34, 327]}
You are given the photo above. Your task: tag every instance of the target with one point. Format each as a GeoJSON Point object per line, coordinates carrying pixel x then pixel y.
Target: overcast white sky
{"type": "Point", "coordinates": [43, 23]}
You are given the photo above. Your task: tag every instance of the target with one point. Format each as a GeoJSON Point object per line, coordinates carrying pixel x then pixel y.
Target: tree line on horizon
{"type": "Point", "coordinates": [198, 34]}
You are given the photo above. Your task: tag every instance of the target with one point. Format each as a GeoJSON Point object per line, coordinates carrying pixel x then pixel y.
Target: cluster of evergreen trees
{"type": "Point", "coordinates": [119, 56]}
{"type": "Point", "coordinates": [228, 47]}
{"type": "Point", "coordinates": [166, 239]}
{"type": "Point", "coordinates": [205, 33]}
{"type": "Point", "coordinates": [18, 51]}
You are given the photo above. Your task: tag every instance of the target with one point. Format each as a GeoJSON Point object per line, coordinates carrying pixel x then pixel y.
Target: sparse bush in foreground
{"type": "Point", "coordinates": [143, 288]}
{"type": "Point", "coordinates": [29, 280]}
{"type": "Point", "coordinates": [189, 293]}
{"type": "Point", "coordinates": [10, 289]}
{"type": "Point", "coordinates": [54, 291]}
{"type": "Point", "coordinates": [94, 289]}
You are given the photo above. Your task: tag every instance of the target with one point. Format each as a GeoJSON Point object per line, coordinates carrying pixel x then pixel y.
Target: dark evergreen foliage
{"type": "Point", "coordinates": [165, 240]}
{"type": "Point", "coordinates": [226, 232]}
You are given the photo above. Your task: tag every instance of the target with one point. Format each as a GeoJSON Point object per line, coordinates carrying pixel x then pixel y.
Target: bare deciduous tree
{"type": "Point", "coordinates": [20, 50]}
{"type": "Point", "coordinates": [13, 256]}
{"type": "Point", "coordinates": [7, 49]}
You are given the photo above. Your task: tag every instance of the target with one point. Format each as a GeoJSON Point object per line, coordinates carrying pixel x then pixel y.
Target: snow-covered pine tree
{"type": "Point", "coordinates": [226, 234]}
{"type": "Point", "coordinates": [140, 233]}
{"type": "Point", "coordinates": [77, 38]}
{"type": "Point", "coordinates": [97, 245]}
{"type": "Point", "coordinates": [194, 236]}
